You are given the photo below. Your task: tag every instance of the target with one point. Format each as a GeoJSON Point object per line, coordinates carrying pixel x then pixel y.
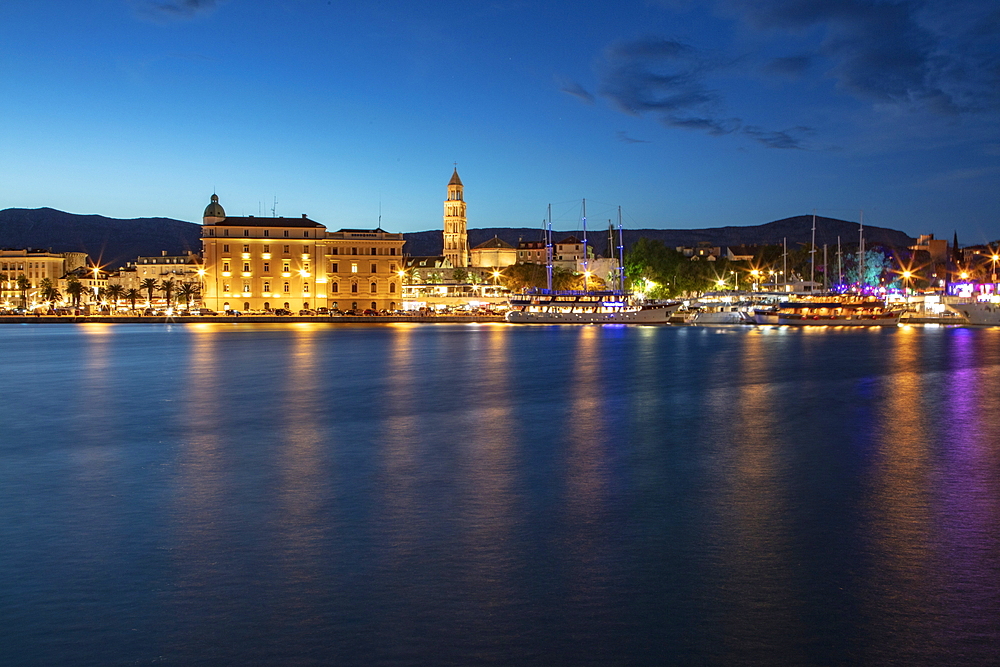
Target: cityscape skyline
{"type": "Point", "coordinates": [687, 114]}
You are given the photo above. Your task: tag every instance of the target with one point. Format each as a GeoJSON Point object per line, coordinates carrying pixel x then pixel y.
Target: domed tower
{"type": "Point", "coordinates": [214, 213]}
{"type": "Point", "coordinates": [456, 238]}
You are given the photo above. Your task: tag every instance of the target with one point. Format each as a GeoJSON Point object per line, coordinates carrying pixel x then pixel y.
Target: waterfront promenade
{"type": "Point", "coordinates": [257, 319]}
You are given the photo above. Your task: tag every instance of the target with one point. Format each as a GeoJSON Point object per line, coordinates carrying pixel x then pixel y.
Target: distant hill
{"type": "Point", "coordinates": [796, 230]}
{"type": "Point", "coordinates": [113, 242]}
{"type": "Point", "coordinates": [109, 241]}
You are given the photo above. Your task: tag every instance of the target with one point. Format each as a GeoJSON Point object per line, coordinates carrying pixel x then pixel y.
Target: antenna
{"type": "Point", "coordinates": [274, 206]}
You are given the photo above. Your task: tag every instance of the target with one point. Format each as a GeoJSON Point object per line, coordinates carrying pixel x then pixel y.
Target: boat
{"type": "Point", "coordinates": [984, 313]}
{"type": "Point", "coordinates": [838, 314]}
{"type": "Point", "coordinates": [720, 314]}
{"type": "Point", "coordinates": [544, 306]}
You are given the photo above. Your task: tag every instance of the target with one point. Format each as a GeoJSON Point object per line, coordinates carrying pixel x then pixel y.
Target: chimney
{"type": "Point", "coordinates": [304, 216]}
{"type": "Point", "coordinates": [164, 252]}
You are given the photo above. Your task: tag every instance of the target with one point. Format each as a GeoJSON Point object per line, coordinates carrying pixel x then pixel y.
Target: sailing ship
{"type": "Point", "coordinates": [984, 313]}
{"type": "Point", "coordinates": [837, 313]}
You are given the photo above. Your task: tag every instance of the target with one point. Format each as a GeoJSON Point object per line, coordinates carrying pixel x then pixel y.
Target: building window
{"type": "Point", "coordinates": [392, 288]}
{"type": "Point", "coordinates": [334, 267]}
{"type": "Point", "coordinates": [285, 250]}
{"type": "Point", "coordinates": [225, 287]}
{"type": "Point", "coordinates": [246, 288]}
{"type": "Point", "coordinates": [246, 232]}
{"type": "Point", "coordinates": [286, 288]}
{"type": "Point", "coordinates": [392, 251]}
{"type": "Point", "coordinates": [305, 234]}
{"type": "Point", "coordinates": [225, 266]}
{"type": "Point", "coordinates": [286, 233]}
{"type": "Point", "coordinates": [354, 288]}
{"type": "Point", "coordinates": [211, 232]}
{"type": "Point", "coordinates": [305, 287]}
{"type": "Point", "coordinates": [374, 288]}
{"type": "Point", "coordinates": [285, 267]}
{"type": "Point", "coordinates": [374, 305]}
{"type": "Point", "coordinates": [267, 288]}
{"type": "Point", "coordinates": [267, 267]}
{"type": "Point", "coordinates": [246, 267]}
{"type": "Point", "coordinates": [392, 268]}
{"type": "Point", "coordinates": [267, 305]}
{"type": "Point", "coordinates": [267, 248]}
{"type": "Point", "coordinates": [333, 250]}
{"type": "Point", "coordinates": [334, 287]}
{"type": "Point", "coordinates": [267, 232]}
{"type": "Point", "coordinates": [374, 268]}
{"type": "Point", "coordinates": [354, 267]}
{"type": "Point", "coordinates": [225, 232]}
{"type": "Point", "coordinates": [246, 248]}
{"type": "Point", "coordinates": [354, 251]}
{"type": "Point", "coordinates": [374, 251]}
{"type": "Point", "coordinates": [225, 248]}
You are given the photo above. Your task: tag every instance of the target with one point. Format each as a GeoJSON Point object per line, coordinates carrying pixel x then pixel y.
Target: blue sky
{"type": "Point", "coordinates": [684, 113]}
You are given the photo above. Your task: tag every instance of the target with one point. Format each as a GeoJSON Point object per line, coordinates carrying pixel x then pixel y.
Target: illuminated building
{"type": "Point", "coordinates": [495, 253]}
{"type": "Point", "coordinates": [36, 266]}
{"type": "Point", "coordinates": [259, 264]}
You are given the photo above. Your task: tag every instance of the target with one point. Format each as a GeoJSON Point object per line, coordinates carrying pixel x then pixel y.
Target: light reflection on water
{"type": "Point", "coordinates": [308, 494]}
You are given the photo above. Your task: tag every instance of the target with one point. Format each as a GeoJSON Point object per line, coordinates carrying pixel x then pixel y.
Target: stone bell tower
{"type": "Point", "coordinates": [456, 237]}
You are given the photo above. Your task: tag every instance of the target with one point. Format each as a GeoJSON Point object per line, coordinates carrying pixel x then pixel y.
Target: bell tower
{"type": "Point", "coordinates": [456, 237]}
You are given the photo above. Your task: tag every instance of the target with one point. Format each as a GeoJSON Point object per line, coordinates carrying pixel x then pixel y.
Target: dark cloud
{"type": "Point", "coordinates": [666, 78]}
{"type": "Point", "coordinates": [623, 137]}
{"type": "Point", "coordinates": [789, 65]}
{"type": "Point", "coordinates": [787, 139]}
{"type": "Point", "coordinates": [576, 90]}
{"type": "Point", "coordinates": [938, 55]}
{"type": "Point", "coordinates": [175, 9]}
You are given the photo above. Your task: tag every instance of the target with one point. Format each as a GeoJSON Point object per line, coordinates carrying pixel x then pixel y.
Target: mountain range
{"type": "Point", "coordinates": [112, 242]}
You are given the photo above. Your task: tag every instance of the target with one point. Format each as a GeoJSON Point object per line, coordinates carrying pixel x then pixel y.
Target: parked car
{"type": "Point", "coordinates": [281, 312]}
{"type": "Point", "coordinates": [206, 311]}
{"type": "Point", "coordinates": [369, 311]}
{"type": "Point", "coordinates": [305, 312]}
{"type": "Point", "coordinates": [322, 311]}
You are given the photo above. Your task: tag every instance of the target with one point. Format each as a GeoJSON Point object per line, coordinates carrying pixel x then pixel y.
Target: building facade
{"type": "Point", "coordinates": [35, 266]}
{"type": "Point", "coordinates": [456, 236]}
{"type": "Point", "coordinates": [261, 264]}
{"type": "Point", "coordinates": [495, 253]}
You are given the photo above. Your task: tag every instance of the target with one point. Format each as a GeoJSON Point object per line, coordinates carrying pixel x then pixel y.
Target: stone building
{"type": "Point", "coordinates": [456, 236]}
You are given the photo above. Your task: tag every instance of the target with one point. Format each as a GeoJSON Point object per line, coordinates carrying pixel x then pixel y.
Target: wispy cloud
{"type": "Point", "coordinates": [576, 90]}
{"type": "Point", "coordinates": [623, 137]}
{"type": "Point", "coordinates": [793, 138]}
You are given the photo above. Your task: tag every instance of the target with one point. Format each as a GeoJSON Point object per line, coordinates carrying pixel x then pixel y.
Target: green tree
{"type": "Point", "coordinates": [23, 285]}
{"type": "Point", "coordinates": [75, 290]}
{"type": "Point", "coordinates": [459, 275]}
{"type": "Point", "coordinates": [49, 292]}
{"type": "Point", "coordinates": [167, 287]}
{"type": "Point", "coordinates": [148, 284]}
{"type": "Point", "coordinates": [115, 293]}
{"type": "Point", "coordinates": [187, 291]}
{"type": "Point", "coordinates": [876, 264]}
{"type": "Point", "coordinates": [132, 295]}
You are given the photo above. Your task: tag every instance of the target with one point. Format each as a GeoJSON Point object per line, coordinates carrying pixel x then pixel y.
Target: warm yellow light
{"type": "Point", "coordinates": [284, 274]}
{"type": "Point", "coordinates": [246, 255]}
{"type": "Point", "coordinates": [995, 258]}
{"type": "Point", "coordinates": [964, 275]}
{"type": "Point", "coordinates": [266, 255]}
{"type": "Point", "coordinates": [720, 283]}
{"type": "Point", "coordinates": [246, 274]}
{"type": "Point", "coordinates": [906, 275]}
{"type": "Point", "coordinates": [201, 272]}
{"type": "Point", "coordinates": [304, 273]}
{"type": "Point", "coordinates": [400, 273]}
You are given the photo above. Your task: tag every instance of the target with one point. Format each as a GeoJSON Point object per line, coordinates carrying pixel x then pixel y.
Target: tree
{"type": "Point", "coordinates": [23, 285]}
{"type": "Point", "coordinates": [876, 263]}
{"type": "Point", "coordinates": [132, 295]}
{"type": "Point", "coordinates": [115, 292]}
{"type": "Point", "coordinates": [148, 284]}
{"type": "Point", "coordinates": [49, 292]}
{"type": "Point", "coordinates": [167, 287]}
{"type": "Point", "coordinates": [75, 290]}
{"type": "Point", "coordinates": [459, 275]}
{"type": "Point", "coordinates": [187, 291]}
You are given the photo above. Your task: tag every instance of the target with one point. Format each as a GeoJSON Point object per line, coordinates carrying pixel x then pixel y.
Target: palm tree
{"type": "Point", "coordinates": [75, 289]}
{"type": "Point", "coordinates": [187, 291]}
{"type": "Point", "coordinates": [132, 296]}
{"type": "Point", "coordinates": [114, 292]}
{"type": "Point", "coordinates": [49, 292]}
{"type": "Point", "coordinates": [23, 284]}
{"type": "Point", "coordinates": [167, 287]}
{"type": "Point", "coordinates": [148, 284]}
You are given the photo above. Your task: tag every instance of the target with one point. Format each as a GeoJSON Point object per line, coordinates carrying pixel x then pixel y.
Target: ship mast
{"type": "Point", "coordinates": [621, 253]}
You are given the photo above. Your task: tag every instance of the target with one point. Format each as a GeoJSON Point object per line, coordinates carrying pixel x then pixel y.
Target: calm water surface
{"type": "Point", "coordinates": [487, 494]}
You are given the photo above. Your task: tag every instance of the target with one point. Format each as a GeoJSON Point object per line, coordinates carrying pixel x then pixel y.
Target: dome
{"type": "Point", "coordinates": [214, 211]}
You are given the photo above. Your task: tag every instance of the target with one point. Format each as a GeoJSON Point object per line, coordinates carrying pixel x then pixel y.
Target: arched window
{"type": "Point", "coordinates": [225, 306]}
{"type": "Point", "coordinates": [374, 288]}
{"type": "Point", "coordinates": [246, 305]}
{"type": "Point", "coordinates": [374, 306]}
{"type": "Point", "coordinates": [285, 306]}
{"type": "Point", "coordinates": [287, 288]}
{"type": "Point", "coordinates": [267, 288]}
{"type": "Point", "coordinates": [392, 288]}
{"type": "Point", "coordinates": [354, 288]}
{"type": "Point", "coordinates": [334, 287]}
{"type": "Point", "coordinates": [267, 305]}
{"type": "Point", "coordinates": [305, 304]}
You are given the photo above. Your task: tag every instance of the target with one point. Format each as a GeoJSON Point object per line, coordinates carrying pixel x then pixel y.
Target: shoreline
{"type": "Point", "coordinates": [249, 319]}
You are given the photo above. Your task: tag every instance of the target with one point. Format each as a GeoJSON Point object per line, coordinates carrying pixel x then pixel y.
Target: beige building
{"type": "Point", "coordinates": [456, 236]}
{"type": "Point", "coordinates": [36, 266]}
{"type": "Point", "coordinates": [495, 253]}
{"type": "Point", "coordinates": [186, 268]}
{"type": "Point", "coordinates": [259, 264]}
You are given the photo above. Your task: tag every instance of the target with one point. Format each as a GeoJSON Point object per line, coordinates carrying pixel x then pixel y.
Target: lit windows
{"type": "Point", "coordinates": [354, 267]}
{"type": "Point", "coordinates": [246, 248]}
{"type": "Point", "coordinates": [267, 287]}
{"type": "Point", "coordinates": [286, 288]}
{"type": "Point", "coordinates": [267, 267]}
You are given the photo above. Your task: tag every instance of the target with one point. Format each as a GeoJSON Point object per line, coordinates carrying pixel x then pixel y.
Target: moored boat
{"type": "Point", "coordinates": [985, 313]}
{"type": "Point", "coordinates": [838, 314]}
{"type": "Point", "coordinates": [591, 307]}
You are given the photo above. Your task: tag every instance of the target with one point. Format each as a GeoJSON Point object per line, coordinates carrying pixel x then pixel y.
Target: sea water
{"type": "Point", "coordinates": [310, 494]}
